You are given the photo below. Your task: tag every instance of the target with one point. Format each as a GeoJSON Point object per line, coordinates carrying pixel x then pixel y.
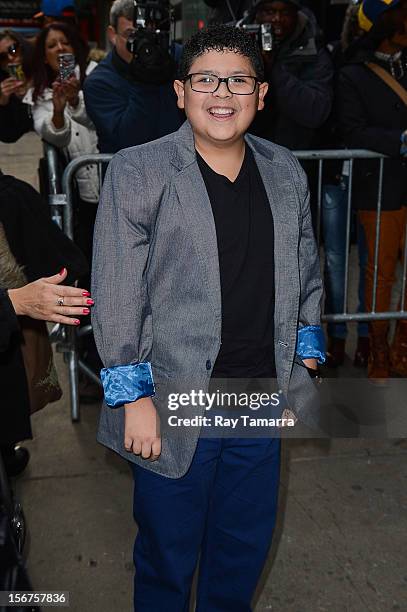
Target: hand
{"type": "Point", "coordinates": [71, 89]}
{"type": "Point", "coordinates": [39, 300]}
{"type": "Point", "coordinates": [8, 87]}
{"type": "Point", "coordinates": [21, 90]}
{"type": "Point", "coordinates": [59, 99]}
{"type": "Point", "coordinates": [142, 429]}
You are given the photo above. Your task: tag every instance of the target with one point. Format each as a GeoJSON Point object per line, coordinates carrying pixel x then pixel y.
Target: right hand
{"type": "Point", "coordinates": [38, 300]}
{"type": "Point", "coordinates": [142, 429]}
{"type": "Point", "coordinates": [7, 88]}
{"type": "Point", "coordinates": [59, 99]}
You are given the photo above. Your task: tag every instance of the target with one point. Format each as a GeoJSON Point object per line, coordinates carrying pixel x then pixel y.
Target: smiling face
{"type": "Point", "coordinates": [220, 118]}
{"type": "Point", "coordinates": [55, 44]}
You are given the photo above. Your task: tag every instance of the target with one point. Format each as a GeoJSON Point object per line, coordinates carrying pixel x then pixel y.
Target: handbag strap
{"type": "Point", "coordinates": [389, 80]}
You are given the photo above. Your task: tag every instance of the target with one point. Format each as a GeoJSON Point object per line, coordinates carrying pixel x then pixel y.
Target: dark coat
{"type": "Point", "coordinates": [126, 112]}
{"type": "Point", "coordinates": [35, 240]}
{"type": "Point", "coordinates": [29, 240]}
{"type": "Point", "coordinates": [15, 118]}
{"type": "Point", "coordinates": [15, 404]}
{"type": "Point", "coordinates": [300, 97]}
{"type": "Point", "coordinates": [372, 116]}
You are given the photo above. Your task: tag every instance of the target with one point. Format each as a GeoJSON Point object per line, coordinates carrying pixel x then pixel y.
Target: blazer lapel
{"type": "Point", "coordinates": [277, 181]}
{"type": "Point", "coordinates": [197, 211]}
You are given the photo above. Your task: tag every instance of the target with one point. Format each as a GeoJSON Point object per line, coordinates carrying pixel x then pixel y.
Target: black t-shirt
{"type": "Point", "coordinates": [245, 236]}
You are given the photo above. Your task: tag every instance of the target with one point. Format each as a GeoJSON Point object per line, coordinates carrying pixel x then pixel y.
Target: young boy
{"type": "Point", "coordinates": [205, 267]}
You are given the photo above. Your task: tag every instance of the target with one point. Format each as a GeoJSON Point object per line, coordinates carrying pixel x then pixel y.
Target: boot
{"type": "Point", "coordinates": [15, 459]}
{"type": "Point", "coordinates": [335, 355]}
{"type": "Point", "coordinates": [398, 352]}
{"type": "Point", "coordinates": [362, 352]}
{"type": "Point", "coordinates": [378, 368]}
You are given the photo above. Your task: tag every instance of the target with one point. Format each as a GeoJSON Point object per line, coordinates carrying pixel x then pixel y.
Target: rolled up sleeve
{"type": "Point", "coordinates": [310, 338]}
{"type": "Point", "coordinates": [121, 316]}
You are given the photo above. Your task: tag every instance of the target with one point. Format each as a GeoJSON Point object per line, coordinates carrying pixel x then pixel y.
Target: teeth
{"type": "Point", "coordinates": [221, 111]}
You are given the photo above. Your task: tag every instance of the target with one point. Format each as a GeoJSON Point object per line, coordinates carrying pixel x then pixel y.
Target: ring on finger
{"type": "Point", "coordinates": [60, 301]}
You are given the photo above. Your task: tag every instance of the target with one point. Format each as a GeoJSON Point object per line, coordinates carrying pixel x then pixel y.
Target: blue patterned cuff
{"type": "Point", "coordinates": [311, 343]}
{"type": "Point", "coordinates": [128, 383]}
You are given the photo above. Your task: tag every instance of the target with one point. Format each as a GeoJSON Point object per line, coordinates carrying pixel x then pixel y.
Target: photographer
{"type": "Point", "coordinates": [300, 74]}
{"type": "Point", "coordinates": [129, 98]}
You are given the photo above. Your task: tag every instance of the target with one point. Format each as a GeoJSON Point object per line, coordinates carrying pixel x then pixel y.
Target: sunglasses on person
{"type": "Point", "coordinates": [11, 50]}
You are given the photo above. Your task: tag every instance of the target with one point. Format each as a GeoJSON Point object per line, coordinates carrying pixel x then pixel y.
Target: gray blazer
{"type": "Point", "coordinates": [155, 279]}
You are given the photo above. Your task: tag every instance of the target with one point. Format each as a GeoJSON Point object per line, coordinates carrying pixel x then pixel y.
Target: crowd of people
{"type": "Point", "coordinates": [348, 93]}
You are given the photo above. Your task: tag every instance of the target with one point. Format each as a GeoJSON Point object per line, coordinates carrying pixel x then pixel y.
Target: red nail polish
{"type": "Point", "coordinates": [86, 311]}
{"type": "Point", "coordinates": [91, 302]}
{"type": "Point", "coordinates": [61, 272]}
{"type": "Point", "coordinates": [85, 293]}
{"type": "Point", "coordinates": [76, 321]}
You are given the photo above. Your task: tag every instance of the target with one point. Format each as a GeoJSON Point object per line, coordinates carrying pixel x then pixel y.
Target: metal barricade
{"type": "Point", "coordinates": [66, 200]}
{"type": "Point", "coordinates": [350, 156]}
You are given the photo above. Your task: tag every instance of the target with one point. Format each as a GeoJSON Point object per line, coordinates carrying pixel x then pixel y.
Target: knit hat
{"type": "Point", "coordinates": [370, 11]}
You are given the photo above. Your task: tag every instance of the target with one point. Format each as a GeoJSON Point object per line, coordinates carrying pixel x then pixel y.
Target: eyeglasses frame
{"type": "Point", "coordinates": [222, 80]}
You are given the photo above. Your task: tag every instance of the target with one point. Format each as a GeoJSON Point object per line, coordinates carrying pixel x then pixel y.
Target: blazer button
{"type": "Point", "coordinates": [208, 364]}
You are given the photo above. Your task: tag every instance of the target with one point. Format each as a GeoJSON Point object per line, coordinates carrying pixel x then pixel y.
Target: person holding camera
{"type": "Point", "coordinates": [130, 98]}
{"type": "Point", "coordinates": [56, 100]}
{"type": "Point", "coordinates": [15, 56]}
{"type": "Point", "coordinates": [300, 73]}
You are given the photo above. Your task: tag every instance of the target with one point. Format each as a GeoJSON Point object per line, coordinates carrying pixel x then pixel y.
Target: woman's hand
{"type": "Point", "coordinates": [142, 429]}
{"type": "Point", "coordinates": [71, 89]}
{"type": "Point", "coordinates": [59, 102]}
{"type": "Point", "coordinates": [39, 300]}
{"type": "Point", "coordinates": [8, 87]}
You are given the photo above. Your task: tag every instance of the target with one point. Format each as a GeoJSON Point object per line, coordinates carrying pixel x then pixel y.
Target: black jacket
{"type": "Point", "coordinates": [35, 240]}
{"type": "Point", "coordinates": [372, 116]}
{"type": "Point", "coordinates": [300, 97]}
{"type": "Point", "coordinates": [40, 248]}
{"type": "Point", "coordinates": [14, 405]}
{"type": "Point", "coordinates": [15, 118]}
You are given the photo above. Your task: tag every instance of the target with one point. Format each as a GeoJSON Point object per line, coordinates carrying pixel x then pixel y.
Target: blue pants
{"type": "Point", "coordinates": [334, 215]}
{"type": "Point", "coordinates": [224, 509]}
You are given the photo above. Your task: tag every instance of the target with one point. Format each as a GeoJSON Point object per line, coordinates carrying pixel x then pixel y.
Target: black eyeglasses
{"type": "Point", "coordinates": [239, 84]}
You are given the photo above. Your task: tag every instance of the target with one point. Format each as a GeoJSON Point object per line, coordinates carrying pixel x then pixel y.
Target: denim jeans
{"type": "Point", "coordinates": [334, 215]}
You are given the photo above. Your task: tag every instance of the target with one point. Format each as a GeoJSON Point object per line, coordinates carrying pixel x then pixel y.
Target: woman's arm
{"type": "Point", "coordinates": [51, 121]}
{"type": "Point", "coordinates": [77, 111]}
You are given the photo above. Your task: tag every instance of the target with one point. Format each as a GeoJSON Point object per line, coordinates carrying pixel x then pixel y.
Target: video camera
{"type": "Point", "coordinates": [152, 40]}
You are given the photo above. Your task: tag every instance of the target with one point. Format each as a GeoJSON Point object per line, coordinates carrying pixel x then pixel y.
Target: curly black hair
{"type": "Point", "coordinates": [221, 38]}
